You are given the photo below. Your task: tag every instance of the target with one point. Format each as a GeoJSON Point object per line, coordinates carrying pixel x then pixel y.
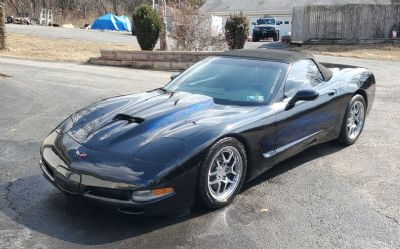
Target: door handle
{"type": "Point", "coordinates": [332, 93]}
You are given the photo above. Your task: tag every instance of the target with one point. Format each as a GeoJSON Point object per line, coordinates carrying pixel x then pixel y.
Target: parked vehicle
{"type": "Point", "coordinates": [266, 28]}
{"type": "Point", "coordinates": [21, 18]}
{"type": "Point", "coordinates": [216, 126]}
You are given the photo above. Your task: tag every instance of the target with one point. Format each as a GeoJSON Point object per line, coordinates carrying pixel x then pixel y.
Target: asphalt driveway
{"type": "Point", "coordinates": [329, 196]}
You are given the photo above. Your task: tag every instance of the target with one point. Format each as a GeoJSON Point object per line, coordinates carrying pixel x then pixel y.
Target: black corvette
{"type": "Point", "coordinates": [217, 125]}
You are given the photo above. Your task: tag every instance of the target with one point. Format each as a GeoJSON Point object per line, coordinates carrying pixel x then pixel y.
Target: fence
{"type": "Point", "coordinates": [2, 27]}
{"type": "Point", "coordinates": [349, 22]}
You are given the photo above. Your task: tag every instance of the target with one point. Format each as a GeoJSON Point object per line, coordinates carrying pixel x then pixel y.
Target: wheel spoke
{"type": "Point", "coordinates": [214, 182]}
{"type": "Point", "coordinates": [232, 170]}
{"type": "Point", "coordinates": [229, 181]}
{"type": "Point", "coordinates": [227, 160]}
{"type": "Point", "coordinates": [219, 187]}
{"type": "Point", "coordinates": [225, 185]}
{"type": "Point", "coordinates": [213, 173]}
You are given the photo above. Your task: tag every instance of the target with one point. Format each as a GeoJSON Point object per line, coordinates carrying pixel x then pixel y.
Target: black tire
{"type": "Point", "coordinates": [344, 137]}
{"type": "Point", "coordinates": [204, 197]}
{"type": "Point", "coordinates": [276, 36]}
{"type": "Point", "coordinates": [10, 19]}
{"type": "Point", "coordinates": [255, 39]}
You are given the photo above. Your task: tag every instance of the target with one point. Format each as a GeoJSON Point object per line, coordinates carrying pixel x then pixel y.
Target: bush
{"type": "Point", "coordinates": [192, 30]}
{"type": "Point", "coordinates": [148, 26]}
{"type": "Point", "coordinates": [236, 30]}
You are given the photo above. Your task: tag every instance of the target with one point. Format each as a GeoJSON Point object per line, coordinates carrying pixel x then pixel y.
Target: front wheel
{"type": "Point", "coordinates": [354, 120]}
{"type": "Point", "coordinates": [222, 173]}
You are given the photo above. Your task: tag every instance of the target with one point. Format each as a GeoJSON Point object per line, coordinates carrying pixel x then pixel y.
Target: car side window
{"type": "Point", "coordinates": [303, 75]}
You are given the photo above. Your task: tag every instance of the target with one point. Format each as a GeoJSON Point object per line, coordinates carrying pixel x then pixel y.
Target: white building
{"type": "Point", "coordinates": [280, 9]}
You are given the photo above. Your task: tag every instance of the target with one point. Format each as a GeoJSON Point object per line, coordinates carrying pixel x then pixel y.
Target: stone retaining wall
{"type": "Point", "coordinates": [2, 27]}
{"type": "Point", "coordinates": [156, 60]}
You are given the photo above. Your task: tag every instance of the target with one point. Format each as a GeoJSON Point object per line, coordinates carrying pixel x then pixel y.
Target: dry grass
{"type": "Point", "coordinates": [381, 51]}
{"type": "Point", "coordinates": [29, 47]}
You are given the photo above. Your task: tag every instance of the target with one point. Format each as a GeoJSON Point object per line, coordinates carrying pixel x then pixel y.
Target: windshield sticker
{"type": "Point", "coordinates": [255, 98]}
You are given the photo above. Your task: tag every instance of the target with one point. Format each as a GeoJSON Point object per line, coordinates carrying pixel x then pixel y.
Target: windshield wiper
{"type": "Point", "coordinates": [159, 89]}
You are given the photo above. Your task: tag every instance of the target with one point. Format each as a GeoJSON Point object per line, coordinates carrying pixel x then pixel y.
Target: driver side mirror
{"type": "Point", "coordinates": [253, 23]}
{"type": "Point", "coordinates": [175, 75]}
{"type": "Point", "coordinates": [305, 95]}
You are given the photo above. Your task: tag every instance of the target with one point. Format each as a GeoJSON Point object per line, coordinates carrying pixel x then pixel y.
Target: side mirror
{"type": "Point", "coordinates": [253, 23]}
{"type": "Point", "coordinates": [305, 95]}
{"type": "Point", "coordinates": [175, 75]}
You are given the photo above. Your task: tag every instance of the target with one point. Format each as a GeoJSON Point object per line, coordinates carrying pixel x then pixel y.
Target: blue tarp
{"type": "Point", "coordinates": [112, 22]}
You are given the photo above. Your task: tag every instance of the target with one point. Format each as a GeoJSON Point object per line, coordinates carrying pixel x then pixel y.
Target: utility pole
{"type": "Point", "coordinates": [164, 33]}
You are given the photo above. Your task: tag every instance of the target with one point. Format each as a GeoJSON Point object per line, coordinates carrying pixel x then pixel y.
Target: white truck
{"type": "Point", "coordinates": [266, 28]}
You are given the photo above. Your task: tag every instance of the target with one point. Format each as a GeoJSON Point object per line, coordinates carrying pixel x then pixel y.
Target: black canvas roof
{"type": "Point", "coordinates": [278, 55]}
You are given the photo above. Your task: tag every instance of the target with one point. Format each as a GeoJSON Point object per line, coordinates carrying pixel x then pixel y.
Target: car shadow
{"type": "Point", "coordinates": [296, 161]}
{"type": "Point", "coordinates": [35, 203]}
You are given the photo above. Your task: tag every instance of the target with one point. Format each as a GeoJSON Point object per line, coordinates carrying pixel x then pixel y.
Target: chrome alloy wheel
{"type": "Point", "coordinates": [355, 121]}
{"type": "Point", "coordinates": [225, 173]}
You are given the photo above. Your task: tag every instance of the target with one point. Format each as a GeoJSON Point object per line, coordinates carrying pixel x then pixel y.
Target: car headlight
{"type": "Point", "coordinates": [161, 150]}
{"type": "Point", "coordinates": [150, 195]}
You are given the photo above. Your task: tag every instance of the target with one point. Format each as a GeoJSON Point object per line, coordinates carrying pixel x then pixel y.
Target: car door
{"type": "Point", "coordinates": [308, 121]}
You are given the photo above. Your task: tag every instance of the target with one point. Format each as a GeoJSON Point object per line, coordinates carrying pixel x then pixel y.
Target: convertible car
{"type": "Point", "coordinates": [212, 128]}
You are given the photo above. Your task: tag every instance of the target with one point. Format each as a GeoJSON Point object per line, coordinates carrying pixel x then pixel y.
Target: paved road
{"type": "Point", "coordinates": [326, 197]}
{"type": "Point", "coordinates": [57, 33]}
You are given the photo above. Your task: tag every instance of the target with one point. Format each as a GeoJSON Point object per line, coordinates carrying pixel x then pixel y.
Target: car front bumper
{"type": "Point", "coordinates": [262, 34]}
{"type": "Point", "coordinates": [57, 169]}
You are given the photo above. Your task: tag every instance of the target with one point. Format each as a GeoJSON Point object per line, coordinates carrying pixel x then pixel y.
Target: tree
{"type": "Point", "coordinates": [236, 30]}
{"type": "Point", "coordinates": [192, 30]}
{"type": "Point", "coordinates": [148, 26]}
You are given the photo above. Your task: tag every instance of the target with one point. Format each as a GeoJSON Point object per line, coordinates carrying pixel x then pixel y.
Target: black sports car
{"type": "Point", "coordinates": [219, 124]}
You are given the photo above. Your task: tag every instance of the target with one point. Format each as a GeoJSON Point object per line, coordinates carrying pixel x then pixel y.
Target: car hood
{"type": "Point", "coordinates": [126, 123]}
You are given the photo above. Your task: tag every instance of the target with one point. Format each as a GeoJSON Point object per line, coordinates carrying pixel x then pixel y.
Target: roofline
{"type": "Point", "coordinates": [251, 12]}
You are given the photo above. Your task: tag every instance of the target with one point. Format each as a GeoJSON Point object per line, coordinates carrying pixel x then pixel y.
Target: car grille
{"type": "Point", "coordinates": [267, 29]}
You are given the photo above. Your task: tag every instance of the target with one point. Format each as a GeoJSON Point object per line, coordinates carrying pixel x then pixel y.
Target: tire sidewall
{"type": "Point", "coordinates": [204, 194]}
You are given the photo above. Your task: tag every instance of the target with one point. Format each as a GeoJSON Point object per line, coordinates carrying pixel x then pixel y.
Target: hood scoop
{"type": "Point", "coordinates": [129, 118]}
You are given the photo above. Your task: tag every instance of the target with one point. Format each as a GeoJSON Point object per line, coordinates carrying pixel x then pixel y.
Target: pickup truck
{"type": "Point", "coordinates": [266, 28]}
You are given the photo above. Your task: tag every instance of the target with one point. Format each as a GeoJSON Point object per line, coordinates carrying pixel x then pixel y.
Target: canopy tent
{"type": "Point", "coordinates": [126, 23]}
{"type": "Point", "coordinates": [112, 22]}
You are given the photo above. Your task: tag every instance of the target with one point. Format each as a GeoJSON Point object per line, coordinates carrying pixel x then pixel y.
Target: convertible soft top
{"type": "Point", "coordinates": [279, 55]}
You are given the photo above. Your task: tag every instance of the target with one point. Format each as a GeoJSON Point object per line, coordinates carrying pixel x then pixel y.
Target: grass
{"type": "Point", "coordinates": [368, 51]}
{"type": "Point", "coordinates": [31, 47]}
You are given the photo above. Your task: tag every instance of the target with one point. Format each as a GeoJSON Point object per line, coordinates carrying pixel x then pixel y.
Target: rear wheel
{"type": "Point", "coordinates": [222, 173]}
{"type": "Point", "coordinates": [354, 120]}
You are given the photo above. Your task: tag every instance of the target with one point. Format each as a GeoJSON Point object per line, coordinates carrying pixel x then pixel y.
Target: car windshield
{"type": "Point", "coordinates": [266, 21]}
{"type": "Point", "coordinates": [230, 80]}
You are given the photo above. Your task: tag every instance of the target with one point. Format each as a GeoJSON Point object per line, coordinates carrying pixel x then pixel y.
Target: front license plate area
{"type": "Point", "coordinates": [67, 180]}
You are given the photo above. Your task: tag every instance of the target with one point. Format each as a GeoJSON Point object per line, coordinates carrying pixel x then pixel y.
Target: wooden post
{"type": "Point", "coordinates": [2, 27]}
{"type": "Point", "coordinates": [163, 35]}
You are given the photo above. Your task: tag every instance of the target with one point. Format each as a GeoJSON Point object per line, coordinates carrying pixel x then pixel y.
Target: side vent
{"type": "Point", "coordinates": [128, 118]}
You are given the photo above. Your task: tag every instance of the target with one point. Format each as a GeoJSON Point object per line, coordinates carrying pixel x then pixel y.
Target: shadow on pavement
{"type": "Point", "coordinates": [36, 204]}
